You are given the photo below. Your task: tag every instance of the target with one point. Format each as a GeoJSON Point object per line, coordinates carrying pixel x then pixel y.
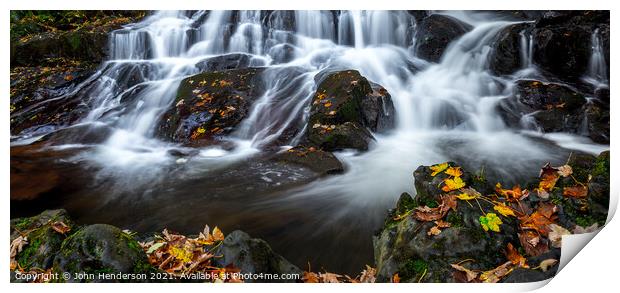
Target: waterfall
{"type": "Point", "coordinates": [597, 68]}
{"type": "Point", "coordinates": [527, 49]}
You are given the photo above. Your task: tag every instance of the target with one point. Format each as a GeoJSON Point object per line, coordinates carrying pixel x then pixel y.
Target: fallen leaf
{"type": "Point", "coordinates": [438, 168]}
{"type": "Point", "coordinates": [532, 243]}
{"type": "Point", "coordinates": [454, 171]}
{"type": "Point", "coordinates": [548, 177]}
{"type": "Point", "coordinates": [368, 275]}
{"type": "Point", "coordinates": [468, 194]}
{"type": "Point", "coordinates": [329, 277]}
{"type": "Point", "coordinates": [580, 230]}
{"type": "Point", "coordinates": [515, 257]}
{"type": "Point", "coordinates": [556, 233]}
{"type": "Point", "coordinates": [155, 247]}
{"type": "Point", "coordinates": [452, 184]}
{"type": "Point", "coordinates": [514, 194]}
{"type": "Point", "coordinates": [547, 263]}
{"type": "Point", "coordinates": [310, 277]}
{"type": "Point", "coordinates": [60, 227]}
{"type": "Point", "coordinates": [578, 191]}
{"type": "Point", "coordinates": [434, 231]}
{"type": "Point", "coordinates": [565, 170]}
{"type": "Point", "coordinates": [471, 275]}
{"type": "Point", "coordinates": [490, 221]}
{"type": "Point", "coordinates": [395, 278]}
{"type": "Point", "coordinates": [504, 210]}
{"type": "Point", "coordinates": [496, 274]}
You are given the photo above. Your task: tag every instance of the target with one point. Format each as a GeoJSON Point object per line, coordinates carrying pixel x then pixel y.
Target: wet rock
{"type": "Point", "coordinates": [405, 246]}
{"type": "Point", "coordinates": [319, 161]}
{"type": "Point", "coordinates": [43, 241]}
{"type": "Point", "coordinates": [210, 105]}
{"type": "Point", "coordinates": [343, 107]}
{"type": "Point", "coordinates": [228, 61]}
{"type": "Point", "coordinates": [506, 49]}
{"type": "Point", "coordinates": [435, 33]}
{"type": "Point", "coordinates": [562, 43]}
{"type": "Point", "coordinates": [252, 255]}
{"type": "Point", "coordinates": [98, 249]}
{"type": "Point", "coordinates": [36, 92]}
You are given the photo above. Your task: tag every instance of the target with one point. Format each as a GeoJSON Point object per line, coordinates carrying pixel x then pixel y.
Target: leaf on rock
{"type": "Point", "coordinates": [556, 233]}
{"type": "Point", "coordinates": [515, 257]}
{"type": "Point", "coordinates": [496, 274]}
{"type": "Point", "coordinates": [548, 177]}
{"type": "Point", "coordinates": [155, 247]}
{"type": "Point", "coordinates": [578, 191]}
{"type": "Point", "coordinates": [60, 227]}
{"type": "Point", "coordinates": [536, 221]}
{"type": "Point", "coordinates": [532, 243]}
{"type": "Point", "coordinates": [310, 277]}
{"type": "Point", "coordinates": [490, 221]}
{"type": "Point", "coordinates": [469, 194]}
{"type": "Point", "coordinates": [504, 210]}
{"type": "Point", "coordinates": [329, 277]}
{"type": "Point", "coordinates": [547, 263]}
{"type": "Point", "coordinates": [453, 184]}
{"type": "Point", "coordinates": [565, 171]}
{"type": "Point", "coordinates": [369, 275]}
{"type": "Point", "coordinates": [470, 275]}
{"type": "Point", "coordinates": [434, 231]}
{"type": "Point", "coordinates": [438, 168]}
{"type": "Point", "coordinates": [454, 171]}
{"type": "Point", "coordinates": [512, 195]}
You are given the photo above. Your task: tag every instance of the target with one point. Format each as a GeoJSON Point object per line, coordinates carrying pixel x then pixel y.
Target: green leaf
{"type": "Point", "coordinates": [155, 247]}
{"type": "Point", "coordinates": [490, 222]}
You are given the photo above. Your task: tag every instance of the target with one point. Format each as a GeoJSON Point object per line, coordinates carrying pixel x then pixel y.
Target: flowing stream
{"type": "Point", "coordinates": [444, 111]}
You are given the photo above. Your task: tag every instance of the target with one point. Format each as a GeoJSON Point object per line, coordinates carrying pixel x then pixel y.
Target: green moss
{"type": "Point", "coordinates": [23, 224]}
{"type": "Point", "coordinates": [24, 258]}
{"type": "Point", "coordinates": [413, 269]}
{"type": "Point", "coordinates": [455, 219]}
{"type": "Point", "coordinates": [601, 166]}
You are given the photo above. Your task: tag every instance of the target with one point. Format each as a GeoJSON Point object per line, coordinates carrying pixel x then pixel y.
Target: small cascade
{"type": "Point", "coordinates": [527, 49]}
{"type": "Point", "coordinates": [597, 68]}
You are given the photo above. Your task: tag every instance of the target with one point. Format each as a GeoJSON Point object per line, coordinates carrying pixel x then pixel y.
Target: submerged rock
{"type": "Point", "coordinates": [319, 161]}
{"type": "Point", "coordinates": [252, 255]}
{"type": "Point", "coordinates": [210, 105]}
{"type": "Point", "coordinates": [435, 33]}
{"type": "Point", "coordinates": [344, 107]}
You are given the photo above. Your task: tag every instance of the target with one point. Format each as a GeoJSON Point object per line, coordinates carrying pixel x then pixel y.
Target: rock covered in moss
{"type": "Point", "coordinates": [43, 241]}
{"type": "Point", "coordinates": [252, 255]}
{"type": "Point", "coordinates": [344, 108]}
{"type": "Point", "coordinates": [210, 105]}
{"type": "Point", "coordinates": [100, 248]}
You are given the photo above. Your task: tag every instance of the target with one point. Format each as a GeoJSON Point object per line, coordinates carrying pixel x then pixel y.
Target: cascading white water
{"type": "Point", "coordinates": [527, 49]}
{"type": "Point", "coordinates": [453, 99]}
{"type": "Point", "coordinates": [597, 68]}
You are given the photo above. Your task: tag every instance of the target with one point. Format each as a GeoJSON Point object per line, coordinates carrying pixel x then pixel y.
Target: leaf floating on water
{"type": "Point", "coordinates": [438, 168]}
{"type": "Point", "coordinates": [491, 222]}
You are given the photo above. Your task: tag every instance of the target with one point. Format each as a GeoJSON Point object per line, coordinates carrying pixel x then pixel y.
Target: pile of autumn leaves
{"type": "Point", "coordinates": [538, 229]}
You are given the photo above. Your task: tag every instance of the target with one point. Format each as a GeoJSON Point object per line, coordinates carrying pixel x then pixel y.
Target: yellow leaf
{"type": "Point", "coordinates": [454, 171]}
{"type": "Point", "coordinates": [181, 254]}
{"type": "Point", "coordinates": [468, 194]}
{"type": "Point", "coordinates": [217, 234]}
{"type": "Point", "coordinates": [438, 168]}
{"type": "Point", "coordinates": [491, 222]}
{"type": "Point", "coordinates": [504, 210]}
{"type": "Point", "coordinates": [453, 184]}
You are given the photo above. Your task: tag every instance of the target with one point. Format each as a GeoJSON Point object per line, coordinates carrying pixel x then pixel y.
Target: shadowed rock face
{"type": "Point", "coordinates": [210, 105]}
{"type": "Point", "coordinates": [435, 33]}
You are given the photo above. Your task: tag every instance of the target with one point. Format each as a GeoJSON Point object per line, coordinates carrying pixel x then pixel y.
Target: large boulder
{"type": "Point", "coordinates": [228, 61]}
{"type": "Point", "coordinates": [562, 42]}
{"type": "Point", "coordinates": [100, 248]}
{"type": "Point", "coordinates": [435, 33]}
{"type": "Point", "coordinates": [344, 108]}
{"type": "Point", "coordinates": [209, 105]}
{"type": "Point", "coordinates": [43, 241]}
{"type": "Point", "coordinates": [252, 255]}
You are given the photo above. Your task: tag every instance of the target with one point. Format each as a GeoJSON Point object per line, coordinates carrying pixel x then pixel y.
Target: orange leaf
{"type": "Point", "coordinates": [515, 257]}
{"type": "Point", "coordinates": [548, 177]}
{"type": "Point", "coordinates": [578, 191]}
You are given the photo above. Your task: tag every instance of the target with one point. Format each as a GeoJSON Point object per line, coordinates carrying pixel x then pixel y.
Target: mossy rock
{"type": "Point", "coordinates": [101, 248]}
{"type": "Point", "coordinates": [210, 105]}
{"type": "Point", "coordinates": [43, 241]}
{"type": "Point", "coordinates": [345, 108]}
